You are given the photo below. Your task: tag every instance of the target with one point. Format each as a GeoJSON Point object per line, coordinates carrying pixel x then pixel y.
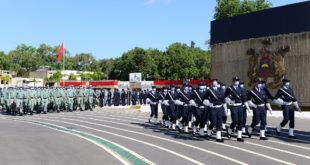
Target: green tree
{"type": "Point", "coordinates": [97, 76]}
{"type": "Point", "coordinates": [229, 8]}
{"type": "Point", "coordinates": [56, 77]}
{"type": "Point", "coordinates": [86, 76]}
{"type": "Point", "coordinates": [72, 77]}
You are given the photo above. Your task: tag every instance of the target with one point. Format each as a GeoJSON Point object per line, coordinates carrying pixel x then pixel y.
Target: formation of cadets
{"type": "Point", "coordinates": [203, 111]}
{"type": "Point", "coordinates": [21, 101]}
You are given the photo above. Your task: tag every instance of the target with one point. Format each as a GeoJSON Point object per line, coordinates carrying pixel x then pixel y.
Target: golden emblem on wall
{"type": "Point", "coordinates": [267, 64]}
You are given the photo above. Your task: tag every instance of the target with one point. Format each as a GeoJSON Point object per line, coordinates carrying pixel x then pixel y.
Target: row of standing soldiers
{"type": "Point", "coordinates": [42, 100]}
{"type": "Point", "coordinates": [123, 97]}
{"type": "Point", "coordinates": [205, 108]}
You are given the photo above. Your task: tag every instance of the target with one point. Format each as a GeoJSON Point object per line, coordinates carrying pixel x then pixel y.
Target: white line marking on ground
{"type": "Point", "coordinates": [244, 150]}
{"type": "Point", "coordinates": [132, 139]}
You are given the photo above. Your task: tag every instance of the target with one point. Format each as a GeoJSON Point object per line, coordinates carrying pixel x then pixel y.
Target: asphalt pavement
{"type": "Point", "coordinates": [123, 136]}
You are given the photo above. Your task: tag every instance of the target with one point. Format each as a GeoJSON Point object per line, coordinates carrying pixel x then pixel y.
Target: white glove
{"type": "Point", "coordinates": [297, 106]}
{"type": "Point", "coordinates": [148, 101]}
{"type": "Point", "coordinates": [211, 105]}
{"type": "Point", "coordinates": [227, 100]}
{"type": "Point", "coordinates": [247, 107]}
{"type": "Point", "coordinates": [278, 101]}
{"type": "Point", "coordinates": [206, 102]}
{"type": "Point", "coordinates": [251, 104]}
{"type": "Point", "coordinates": [166, 102]}
{"type": "Point", "coordinates": [192, 103]}
{"type": "Point", "coordinates": [178, 102]}
{"type": "Point", "coordinates": [269, 108]}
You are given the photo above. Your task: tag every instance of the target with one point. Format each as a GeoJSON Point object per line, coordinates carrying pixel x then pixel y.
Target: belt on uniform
{"type": "Point", "coordinates": [217, 106]}
{"type": "Point", "coordinates": [236, 104]}
{"type": "Point", "coordinates": [288, 103]}
{"type": "Point", "coordinates": [260, 105]}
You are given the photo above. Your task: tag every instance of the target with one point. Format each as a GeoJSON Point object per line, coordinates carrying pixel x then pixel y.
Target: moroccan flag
{"type": "Point", "coordinates": [60, 53]}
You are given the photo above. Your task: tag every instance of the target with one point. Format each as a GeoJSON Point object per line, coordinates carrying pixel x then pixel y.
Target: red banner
{"type": "Point", "coordinates": [168, 82]}
{"type": "Point", "coordinates": [197, 82]}
{"type": "Point", "coordinates": [72, 83]}
{"type": "Point", "coordinates": [103, 83]}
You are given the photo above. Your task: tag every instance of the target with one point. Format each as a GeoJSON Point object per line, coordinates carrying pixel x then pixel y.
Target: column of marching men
{"type": "Point", "coordinates": [21, 101]}
{"type": "Point", "coordinates": [203, 111]}
{"type": "Point", "coordinates": [55, 99]}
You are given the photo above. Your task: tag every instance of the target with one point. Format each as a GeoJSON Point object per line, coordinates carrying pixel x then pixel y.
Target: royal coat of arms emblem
{"type": "Point", "coordinates": [267, 64]}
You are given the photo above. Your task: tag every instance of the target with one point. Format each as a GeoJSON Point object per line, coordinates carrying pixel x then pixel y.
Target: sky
{"type": "Point", "coordinates": [107, 28]}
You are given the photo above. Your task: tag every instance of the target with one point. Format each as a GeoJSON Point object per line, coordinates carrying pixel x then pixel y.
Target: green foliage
{"type": "Point", "coordinates": [229, 8]}
{"type": "Point", "coordinates": [97, 76]}
{"type": "Point", "coordinates": [56, 77]}
{"type": "Point", "coordinates": [5, 79]}
{"type": "Point", "coordinates": [72, 77]}
{"type": "Point", "coordinates": [86, 76]}
{"type": "Point", "coordinates": [178, 61]}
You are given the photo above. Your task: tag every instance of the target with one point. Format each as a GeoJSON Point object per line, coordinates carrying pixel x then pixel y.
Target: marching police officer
{"type": "Point", "coordinates": [172, 109]}
{"type": "Point", "coordinates": [286, 99]}
{"type": "Point", "coordinates": [235, 98]}
{"type": "Point", "coordinates": [216, 97]}
{"type": "Point", "coordinates": [201, 110]}
{"type": "Point", "coordinates": [153, 100]}
{"type": "Point", "coordinates": [258, 99]}
{"type": "Point", "coordinates": [164, 106]}
{"type": "Point", "coordinates": [183, 101]}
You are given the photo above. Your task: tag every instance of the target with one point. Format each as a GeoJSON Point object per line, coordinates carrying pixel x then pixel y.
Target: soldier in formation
{"type": "Point", "coordinates": [21, 101]}
{"type": "Point", "coordinates": [203, 111]}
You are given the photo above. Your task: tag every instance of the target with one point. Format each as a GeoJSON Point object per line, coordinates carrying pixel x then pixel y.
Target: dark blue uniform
{"type": "Point", "coordinates": [259, 98]}
{"type": "Point", "coordinates": [237, 97]}
{"type": "Point", "coordinates": [201, 111]}
{"type": "Point", "coordinates": [116, 98]}
{"type": "Point", "coordinates": [154, 97]}
{"type": "Point", "coordinates": [217, 98]}
{"type": "Point", "coordinates": [172, 112]}
{"type": "Point", "coordinates": [287, 95]}
{"type": "Point", "coordinates": [185, 97]}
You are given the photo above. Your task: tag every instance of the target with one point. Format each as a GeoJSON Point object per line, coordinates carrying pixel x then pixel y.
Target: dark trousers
{"type": "Point", "coordinates": [224, 116]}
{"type": "Point", "coordinates": [216, 118]}
{"type": "Point", "coordinates": [164, 109]}
{"type": "Point", "coordinates": [154, 110]}
{"type": "Point", "coordinates": [123, 102]}
{"type": "Point", "coordinates": [185, 115]}
{"type": "Point", "coordinates": [201, 115]}
{"type": "Point", "coordinates": [101, 102]}
{"type": "Point", "coordinates": [259, 116]}
{"type": "Point", "coordinates": [288, 115]}
{"type": "Point", "coordinates": [236, 117]}
{"type": "Point", "coordinates": [172, 112]}
{"type": "Point", "coordinates": [244, 117]}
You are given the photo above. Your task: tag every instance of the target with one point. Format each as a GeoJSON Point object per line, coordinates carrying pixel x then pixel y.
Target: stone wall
{"type": "Point", "coordinates": [230, 59]}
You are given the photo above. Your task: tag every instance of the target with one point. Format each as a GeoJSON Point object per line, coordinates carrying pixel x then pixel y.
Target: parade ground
{"type": "Point", "coordinates": [123, 136]}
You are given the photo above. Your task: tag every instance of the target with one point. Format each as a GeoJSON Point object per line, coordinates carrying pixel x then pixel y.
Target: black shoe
{"type": "Point", "coordinates": [277, 132]}
{"type": "Point", "coordinates": [263, 138]}
{"type": "Point", "coordinates": [228, 135]}
{"type": "Point", "coordinates": [208, 137]}
{"type": "Point", "coordinates": [250, 135]}
{"type": "Point", "coordinates": [240, 140]}
{"type": "Point", "coordinates": [292, 137]}
{"type": "Point", "coordinates": [220, 140]}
